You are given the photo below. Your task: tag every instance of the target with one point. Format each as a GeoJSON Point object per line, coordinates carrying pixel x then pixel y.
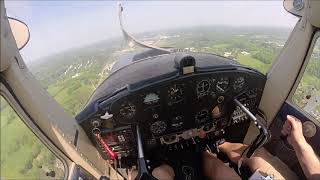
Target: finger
{"type": "Point", "coordinates": [292, 121]}
{"type": "Point", "coordinates": [283, 132]}
{"type": "Point", "coordinates": [286, 126]}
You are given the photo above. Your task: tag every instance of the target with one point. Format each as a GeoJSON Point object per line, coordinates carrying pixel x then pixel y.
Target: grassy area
{"type": "Point", "coordinates": [23, 156]}
{"type": "Point", "coordinates": [253, 63]}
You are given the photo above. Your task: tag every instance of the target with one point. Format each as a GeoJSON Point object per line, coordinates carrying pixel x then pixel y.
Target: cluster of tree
{"type": "Point", "coordinates": [265, 55]}
{"type": "Point", "coordinates": [21, 152]}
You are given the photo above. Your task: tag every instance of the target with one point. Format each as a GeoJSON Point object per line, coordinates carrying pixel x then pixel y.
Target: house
{"type": "Point", "coordinates": [227, 54]}
{"type": "Point", "coordinates": [245, 53]}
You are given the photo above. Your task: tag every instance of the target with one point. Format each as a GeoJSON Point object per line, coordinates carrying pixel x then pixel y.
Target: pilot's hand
{"type": "Point", "coordinates": [292, 128]}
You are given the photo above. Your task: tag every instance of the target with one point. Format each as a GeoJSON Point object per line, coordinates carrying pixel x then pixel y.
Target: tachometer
{"type": "Point", "coordinates": [222, 84]}
{"type": "Point", "coordinates": [175, 93]}
{"type": "Point", "coordinates": [239, 83]}
{"type": "Point", "coordinates": [127, 110]}
{"type": "Point", "coordinates": [158, 127]}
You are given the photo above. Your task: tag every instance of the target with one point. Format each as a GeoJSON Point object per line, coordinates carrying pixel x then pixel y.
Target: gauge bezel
{"type": "Point", "coordinates": [203, 92]}
{"type": "Point", "coordinates": [163, 125]}
{"type": "Point", "coordinates": [226, 89]}
{"type": "Point", "coordinates": [180, 88]}
{"type": "Point", "coordinates": [235, 83]}
{"type": "Point", "coordinates": [133, 110]}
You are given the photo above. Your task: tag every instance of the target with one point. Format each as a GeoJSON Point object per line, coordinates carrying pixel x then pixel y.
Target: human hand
{"type": "Point", "coordinates": [292, 128]}
{"type": "Point", "coordinates": [232, 150]}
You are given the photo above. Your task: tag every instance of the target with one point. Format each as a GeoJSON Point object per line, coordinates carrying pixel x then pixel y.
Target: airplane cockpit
{"type": "Point", "coordinates": [181, 102]}
{"type": "Point", "coordinates": [165, 105]}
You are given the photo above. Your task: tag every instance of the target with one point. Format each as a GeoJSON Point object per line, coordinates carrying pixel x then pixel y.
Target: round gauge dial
{"type": "Point", "coordinates": [151, 98]}
{"type": "Point", "coordinates": [222, 84]}
{"type": "Point", "coordinates": [203, 88]}
{"type": "Point", "coordinates": [177, 122]}
{"type": "Point", "coordinates": [239, 83]}
{"type": "Point", "coordinates": [202, 116]}
{"type": "Point", "coordinates": [175, 93]}
{"type": "Point", "coordinates": [158, 127]}
{"type": "Point", "coordinates": [127, 110]}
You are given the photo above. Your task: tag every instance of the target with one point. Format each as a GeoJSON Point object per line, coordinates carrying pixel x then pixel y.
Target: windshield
{"type": "Point", "coordinates": [74, 45]}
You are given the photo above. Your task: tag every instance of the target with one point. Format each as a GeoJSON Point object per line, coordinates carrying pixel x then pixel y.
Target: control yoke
{"type": "Point", "coordinates": [260, 140]}
{"type": "Point", "coordinates": [143, 173]}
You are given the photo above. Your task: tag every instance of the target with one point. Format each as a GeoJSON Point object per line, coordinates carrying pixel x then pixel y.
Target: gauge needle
{"type": "Point", "coordinates": [220, 88]}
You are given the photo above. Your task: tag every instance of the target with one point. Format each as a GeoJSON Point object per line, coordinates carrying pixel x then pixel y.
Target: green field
{"type": "Point", "coordinates": [23, 156]}
{"type": "Point", "coordinates": [70, 77]}
{"type": "Point", "coordinates": [253, 63]}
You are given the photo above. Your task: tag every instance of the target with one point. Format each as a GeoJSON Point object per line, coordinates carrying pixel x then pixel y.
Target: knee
{"type": "Point", "coordinates": [163, 172]}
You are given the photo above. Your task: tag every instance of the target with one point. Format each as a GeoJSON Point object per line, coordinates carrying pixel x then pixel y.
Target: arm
{"type": "Point", "coordinates": [308, 159]}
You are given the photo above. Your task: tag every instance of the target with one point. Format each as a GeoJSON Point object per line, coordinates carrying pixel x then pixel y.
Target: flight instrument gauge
{"type": "Point", "coordinates": [151, 98]}
{"type": "Point", "coordinates": [203, 88]}
{"type": "Point", "coordinates": [202, 116]}
{"type": "Point", "coordinates": [238, 83]}
{"type": "Point", "coordinates": [175, 93]}
{"type": "Point", "coordinates": [127, 110]}
{"type": "Point", "coordinates": [158, 127]}
{"type": "Point", "coordinates": [222, 84]}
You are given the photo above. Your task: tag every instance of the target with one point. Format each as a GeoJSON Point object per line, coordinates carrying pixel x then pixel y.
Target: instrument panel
{"type": "Point", "coordinates": [184, 103]}
{"type": "Point", "coordinates": [171, 108]}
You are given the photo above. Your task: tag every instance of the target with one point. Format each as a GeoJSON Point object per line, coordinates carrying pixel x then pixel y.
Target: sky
{"type": "Point", "coordinates": [56, 26]}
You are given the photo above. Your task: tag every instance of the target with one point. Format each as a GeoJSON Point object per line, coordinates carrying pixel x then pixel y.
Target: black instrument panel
{"type": "Point", "coordinates": [171, 107]}
{"type": "Point", "coordinates": [185, 102]}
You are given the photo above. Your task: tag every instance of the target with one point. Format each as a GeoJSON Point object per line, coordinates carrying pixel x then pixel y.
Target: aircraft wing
{"type": "Point", "coordinates": [130, 38]}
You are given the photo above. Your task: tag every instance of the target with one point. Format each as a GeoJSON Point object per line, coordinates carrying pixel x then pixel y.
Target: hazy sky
{"type": "Point", "coordinates": [59, 25]}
